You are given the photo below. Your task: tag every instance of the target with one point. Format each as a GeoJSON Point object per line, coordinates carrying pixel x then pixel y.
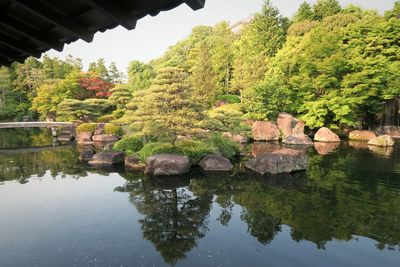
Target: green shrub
{"type": "Point", "coordinates": [232, 99]}
{"type": "Point", "coordinates": [195, 149]}
{"type": "Point", "coordinates": [156, 148]}
{"type": "Point", "coordinates": [129, 144]}
{"type": "Point", "coordinates": [227, 147]}
{"type": "Point", "coordinates": [86, 127]}
{"type": "Point", "coordinates": [113, 129]}
{"type": "Point", "coordinates": [105, 118]}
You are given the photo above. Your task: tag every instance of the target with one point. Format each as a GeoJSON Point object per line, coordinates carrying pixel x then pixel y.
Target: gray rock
{"type": "Point", "coordinates": [134, 164]}
{"type": "Point", "coordinates": [215, 163]}
{"type": "Point", "coordinates": [85, 137]}
{"type": "Point", "coordinates": [265, 131]}
{"type": "Point", "coordinates": [86, 155]}
{"type": "Point", "coordinates": [105, 138]}
{"type": "Point", "coordinates": [382, 141]}
{"type": "Point", "coordinates": [280, 161]}
{"type": "Point", "coordinates": [107, 158]}
{"type": "Point", "coordinates": [167, 165]}
{"type": "Point", "coordinates": [298, 139]}
{"type": "Point", "coordinates": [100, 129]}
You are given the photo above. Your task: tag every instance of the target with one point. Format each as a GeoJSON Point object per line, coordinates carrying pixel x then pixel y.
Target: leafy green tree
{"type": "Point", "coordinates": [115, 75]}
{"type": "Point", "coordinates": [326, 8]}
{"type": "Point", "coordinates": [121, 95]}
{"type": "Point", "coordinates": [305, 12]}
{"type": "Point", "coordinates": [140, 75]}
{"type": "Point", "coordinates": [258, 42]}
{"type": "Point", "coordinates": [395, 12]}
{"type": "Point", "coordinates": [100, 69]}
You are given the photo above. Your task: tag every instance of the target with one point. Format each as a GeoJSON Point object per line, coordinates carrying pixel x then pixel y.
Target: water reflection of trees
{"type": "Point", "coordinates": [58, 161]}
{"type": "Point", "coordinates": [336, 200]}
{"type": "Point", "coordinates": [175, 216]}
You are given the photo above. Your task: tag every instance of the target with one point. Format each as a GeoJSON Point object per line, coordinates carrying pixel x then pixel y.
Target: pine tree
{"type": "Point", "coordinates": [305, 12]}
{"type": "Point", "coordinates": [167, 107]}
{"type": "Point", "coordinates": [326, 8]}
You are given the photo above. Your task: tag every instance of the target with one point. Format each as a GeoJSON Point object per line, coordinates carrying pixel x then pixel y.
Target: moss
{"type": "Point", "coordinates": [113, 129]}
{"type": "Point", "coordinates": [129, 144]}
{"type": "Point", "coordinates": [86, 128]}
{"type": "Point", "coordinates": [227, 147]}
{"type": "Point", "coordinates": [151, 149]}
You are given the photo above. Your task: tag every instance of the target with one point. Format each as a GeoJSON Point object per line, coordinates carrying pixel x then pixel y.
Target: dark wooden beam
{"type": "Point", "coordinates": [37, 36]}
{"type": "Point", "coordinates": [18, 46]}
{"type": "Point", "coordinates": [195, 4]}
{"type": "Point", "coordinates": [56, 18]}
{"type": "Point", "coordinates": [116, 12]}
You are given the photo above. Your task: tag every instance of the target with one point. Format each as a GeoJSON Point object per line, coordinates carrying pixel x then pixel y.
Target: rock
{"type": "Point", "coordinates": [265, 131]}
{"type": "Point", "coordinates": [238, 138]}
{"type": "Point", "coordinates": [215, 163]}
{"type": "Point", "coordinates": [134, 164]}
{"type": "Point", "coordinates": [85, 137]}
{"type": "Point", "coordinates": [289, 125]}
{"type": "Point", "coordinates": [100, 129]}
{"type": "Point", "coordinates": [167, 165]}
{"type": "Point", "coordinates": [382, 141]}
{"type": "Point", "coordinates": [280, 161]}
{"type": "Point", "coordinates": [86, 155]}
{"type": "Point", "coordinates": [324, 148]}
{"type": "Point", "coordinates": [393, 131]}
{"type": "Point", "coordinates": [105, 138]}
{"type": "Point", "coordinates": [363, 135]}
{"type": "Point", "coordinates": [298, 139]}
{"type": "Point", "coordinates": [326, 135]}
{"type": "Point", "coordinates": [107, 158]}
{"type": "Point", "coordinates": [260, 149]}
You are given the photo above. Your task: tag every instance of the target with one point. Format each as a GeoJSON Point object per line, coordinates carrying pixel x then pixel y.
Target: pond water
{"type": "Point", "coordinates": [55, 211]}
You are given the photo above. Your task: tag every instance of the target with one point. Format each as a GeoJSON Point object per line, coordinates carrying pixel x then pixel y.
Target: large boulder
{"type": "Point", "coordinates": [215, 163]}
{"type": "Point", "coordinates": [100, 129]}
{"type": "Point", "coordinates": [298, 139]}
{"type": "Point", "coordinates": [362, 135]}
{"type": "Point", "coordinates": [86, 155]}
{"type": "Point", "coordinates": [265, 131]}
{"type": "Point", "coordinates": [326, 135]}
{"type": "Point", "coordinates": [107, 158]}
{"type": "Point", "coordinates": [167, 165]}
{"type": "Point", "coordinates": [280, 161]}
{"type": "Point", "coordinates": [85, 137]}
{"type": "Point", "coordinates": [382, 140]}
{"type": "Point", "coordinates": [105, 138]}
{"type": "Point", "coordinates": [133, 163]}
{"type": "Point", "coordinates": [289, 125]}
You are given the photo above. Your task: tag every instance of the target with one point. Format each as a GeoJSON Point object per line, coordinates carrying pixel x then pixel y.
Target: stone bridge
{"type": "Point", "coordinates": [67, 128]}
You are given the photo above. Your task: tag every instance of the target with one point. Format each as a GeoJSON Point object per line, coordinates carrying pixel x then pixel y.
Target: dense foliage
{"type": "Point", "coordinates": [329, 65]}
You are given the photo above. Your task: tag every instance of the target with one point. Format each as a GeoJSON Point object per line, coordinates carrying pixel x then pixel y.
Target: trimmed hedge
{"type": "Point", "coordinates": [129, 144]}
{"type": "Point", "coordinates": [86, 128]}
{"type": "Point", "coordinates": [113, 129]}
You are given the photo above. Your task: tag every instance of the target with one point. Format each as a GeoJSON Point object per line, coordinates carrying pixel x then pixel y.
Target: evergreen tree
{"type": "Point", "coordinates": [167, 106]}
{"type": "Point", "coordinates": [100, 69]}
{"type": "Point", "coordinates": [115, 75]}
{"type": "Point", "coordinates": [305, 12]}
{"type": "Point", "coordinates": [121, 95]}
{"type": "Point", "coordinates": [258, 41]}
{"type": "Point", "coordinates": [326, 8]}
{"type": "Point", "coordinates": [140, 75]}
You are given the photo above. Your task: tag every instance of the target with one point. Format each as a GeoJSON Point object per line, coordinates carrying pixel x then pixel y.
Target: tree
{"type": "Point", "coordinates": [121, 95]}
{"type": "Point", "coordinates": [100, 88]}
{"type": "Point", "coordinates": [115, 75]}
{"type": "Point", "coordinates": [100, 69]}
{"type": "Point", "coordinates": [326, 8]}
{"type": "Point", "coordinates": [203, 78]}
{"type": "Point", "coordinates": [140, 75]}
{"type": "Point", "coordinates": [395, 12]}
{"type": "Point", "coordinates": [167, 106]}
{"type": "Point", "coordinates": [258, 42]}
{"type": "Point", "coordinates": [305, 12]}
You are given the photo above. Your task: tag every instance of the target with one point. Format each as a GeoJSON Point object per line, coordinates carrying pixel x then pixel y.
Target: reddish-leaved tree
{"type": "Point", "coordinates": [98, 86]}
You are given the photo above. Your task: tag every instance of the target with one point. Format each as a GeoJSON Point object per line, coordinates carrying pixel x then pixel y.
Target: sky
{"type": "Point", "coordinates": [153, 35]}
